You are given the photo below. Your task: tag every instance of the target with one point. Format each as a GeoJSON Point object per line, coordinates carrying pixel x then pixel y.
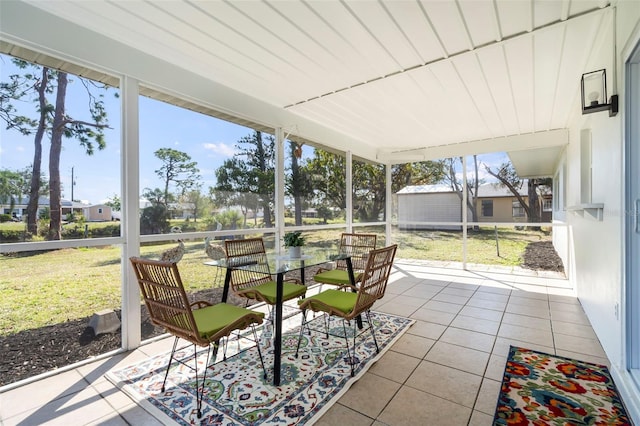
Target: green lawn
{"type": "Point", "coordinates": [40, 288]}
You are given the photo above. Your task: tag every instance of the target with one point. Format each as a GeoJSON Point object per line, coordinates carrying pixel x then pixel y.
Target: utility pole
{"type": "Point", "coordinates": [73, 183]}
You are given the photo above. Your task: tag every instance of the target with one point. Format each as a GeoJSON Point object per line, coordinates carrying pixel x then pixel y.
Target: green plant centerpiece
{"type": "Point", "coordinates": [294, 241]}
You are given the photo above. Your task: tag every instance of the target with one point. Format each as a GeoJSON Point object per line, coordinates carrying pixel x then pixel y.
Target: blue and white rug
{"type": "Point", "coordinates": [236, 392]}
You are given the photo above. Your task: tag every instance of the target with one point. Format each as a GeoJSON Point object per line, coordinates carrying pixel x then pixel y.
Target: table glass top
{"type": "Point", "coordinates": [310, 256]}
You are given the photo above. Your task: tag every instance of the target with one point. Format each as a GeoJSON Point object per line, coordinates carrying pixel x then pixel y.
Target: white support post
{"type": "Point", "coordinates": [464, 212]}
{"type": "Point", "coordinates": [387, 204]}
{"type": "Point", "coordinates": [279, 201]}
{"type": "Point", "coordinates": [130, 224]}
{"type": "Point", "coordinates": [349, 190]}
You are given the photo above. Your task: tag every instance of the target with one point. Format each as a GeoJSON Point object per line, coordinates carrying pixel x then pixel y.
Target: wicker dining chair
{"type": "Point", "coordinates": [358, 247]}
{"type": "Point", "coordinates": [255, 281]}
{"type": "Point", "coordinates": [348, 305]}
{"type": "Point", "coordinates": [199, 323]}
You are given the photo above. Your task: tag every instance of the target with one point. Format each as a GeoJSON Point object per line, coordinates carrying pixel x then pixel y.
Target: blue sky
{"type": "Point", "coordinates": [207, 140]}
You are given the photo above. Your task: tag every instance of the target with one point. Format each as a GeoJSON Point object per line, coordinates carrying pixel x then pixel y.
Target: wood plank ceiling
{"type": "Point", "coordinates": [396, 76]}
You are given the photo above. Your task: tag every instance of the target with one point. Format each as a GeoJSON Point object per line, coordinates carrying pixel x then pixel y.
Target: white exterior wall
{"type": "Point", "coordinates": [596, 248]}
{"type": "Point", "coordinates": [434, 207]}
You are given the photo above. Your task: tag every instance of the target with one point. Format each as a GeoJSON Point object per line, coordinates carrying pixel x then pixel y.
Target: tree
{"type": "Point", "coordinates": [114, 202]}
{"type": "Point", "coordinates": [450, 176]}
{"type": "Point", "coordinates": [195, 198]}
{"type": "Point", "coordinates": [248, 179]}
{"type": "Point", "coordinates": [508, 177]}
{"type": "Point", "coordinates": [11, 186]}
{"type": "Point", "coordinates": [54, 120]}
{"type": "Point", "coordinates": [89, 134]}
{"type": "Point", "coordinates": [328, 179]}
{"type": "Point", "coordinates": [177, 168]}
{"type": "Point", "coordinates": [298, 184]}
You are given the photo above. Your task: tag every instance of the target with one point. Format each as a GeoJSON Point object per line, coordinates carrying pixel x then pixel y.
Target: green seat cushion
{"type": "Point", "coordinates": [268, 291]}
{"type": "Point", "coordinates": [335, 277]}
{"type": "Point", "coordinates": [343, 301]}
{"type": "Point", "coordinates": [212, 319]}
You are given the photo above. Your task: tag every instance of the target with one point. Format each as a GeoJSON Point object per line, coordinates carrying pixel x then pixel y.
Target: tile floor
{"type": "Point", "coordinates": [445, 370]}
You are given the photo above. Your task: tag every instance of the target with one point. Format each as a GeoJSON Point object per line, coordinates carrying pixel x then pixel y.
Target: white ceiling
{"type": "Point", "coordinates": [397, 79]}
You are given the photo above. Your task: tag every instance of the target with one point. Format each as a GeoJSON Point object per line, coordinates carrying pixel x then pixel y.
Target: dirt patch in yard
{"type": "Point", "coordinates": [542, 256]}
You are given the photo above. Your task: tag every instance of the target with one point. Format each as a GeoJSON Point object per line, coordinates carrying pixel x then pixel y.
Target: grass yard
{"type": "Point", "coordinates": [42, 288]}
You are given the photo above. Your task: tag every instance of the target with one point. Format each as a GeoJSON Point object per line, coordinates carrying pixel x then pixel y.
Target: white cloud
{"type": "Point", "coordinates": [220, 148]}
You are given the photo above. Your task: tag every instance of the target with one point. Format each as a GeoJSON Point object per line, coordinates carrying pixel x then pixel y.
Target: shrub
{"type": "Point", "coordinates": [5, 218]}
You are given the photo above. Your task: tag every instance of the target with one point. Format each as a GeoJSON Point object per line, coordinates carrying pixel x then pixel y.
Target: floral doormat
{"type": "Point", "coordinates": [236, 392]}
{"type": "Point", "coordinates": [541, 389]}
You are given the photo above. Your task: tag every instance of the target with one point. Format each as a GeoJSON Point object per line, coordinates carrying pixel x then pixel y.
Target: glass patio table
{"type": "Point", "coordinates": [279, 265]}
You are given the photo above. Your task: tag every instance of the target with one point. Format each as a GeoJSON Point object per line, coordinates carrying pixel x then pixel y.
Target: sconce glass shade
{"type": "Point", "coordinates": [593, 87]}
{"type": "Point", "coordinates": [594, 91]}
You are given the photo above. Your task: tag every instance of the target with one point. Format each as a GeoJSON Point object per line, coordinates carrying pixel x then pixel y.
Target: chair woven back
{"type": "Point", "coordinates": [165, 298]}
{"type": "Point", "coordinates": [358, 246]}
{"type": "Point", "coordinates": [375, 278]}
{"type": "Point", "coordinates": [249, 252]}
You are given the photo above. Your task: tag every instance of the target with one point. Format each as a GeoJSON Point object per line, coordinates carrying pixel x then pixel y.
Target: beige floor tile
{"type": "Point", "coordinates": [410, 301]}
{"type": "Point", "coordinates": [573, 329]}
{"type": "Point", "coordinates": [480, 419]}
{"type": "Point", "coordinates": [393, 308]}
{"type": "Point", "coordinates": [542, 304]}
{"type": "Point", "coordinates": [429, 330]}
{"type": "Point", "coordinates": [440, 306]}
{"type": "Point", "coordinates": [476, 324]}
{"type": "Point", "coordinates": [574, 317]}
{"type": "Point", "coordinates": [370, 394]}
{"type": "Point", "coordinates": [395, 366]}
{"type": "Point", "coordinates": [136, 415]}
{"type": "Point", "coordinates": [488, 396]}
{"type": "Point", "coordinates": [430, 315]}
{"type": "Point", "coordinates": [566, 307]}
{"type": "Point", "coordinates": [79, 408]}
{"type": "Point", "coordinates": [530, 291]}
{"type": "Point", "coordinates": [479, 295]}
{"type": "Point", "coordinates": [563, 295]}
{"type": "Point", "coordinates": [450, 298]}
{"type": "Point", "coordinates": [39, 393]}
{"type": "Point", "coordinates": [530, 311]}
{"type": "Point", "coordinates": [412, 345]}
{"type": "Point", "coordinates": [487, 304]}
{"type": "Point", "coordinates": [411, 407]}
{"type": "Point", "coordinates": [490, 286]}
{"type": "Point", "coordinates": [579, 345]}
{"type": "Point", "coordinates": [113, 419]}
{"type": "Point", "coordinates": [495, 367]}
{"type": "Point", "coordinates": [527, 321]}
{"type": "Point", "coordinates": [465, 359]}
{"type": "Point", "coordinates": [469, 339]}
{"type": "Point", "coordinates": [338, 414]}
{"type": "Point", "coordinates": [501, 347]}
{"type": "Point", "coordinates": [401, 285]}
{"type": "Point", "coordinates": [525, 334]}
{"type": "Point", "coordinates": [422, 291]}
{"type": "Point", "coordinates": [452, 384]}
{"type": "Point", "coordinates": [464, 284]}
{"type": "Point", "coordinates": [476, 312]}
{"type": "Point", "coordinates": [459, 289]}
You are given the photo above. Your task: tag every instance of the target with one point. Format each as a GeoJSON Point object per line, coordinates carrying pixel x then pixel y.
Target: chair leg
{"type": "Point", "coordinates": [304, 321]}
{"type": "Point", "coordinates": [255, 338]}
{"type": "Point", "coordinates": [173, 351]}
{"type": "Point", "coordinates": [373, 332]}
{"type": "Point", "coordinates": [200, 389]}
{"type": "Point", "coordinates": [346, 341]}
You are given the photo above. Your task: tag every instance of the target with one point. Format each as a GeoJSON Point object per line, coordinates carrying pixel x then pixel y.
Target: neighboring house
{"type": "Point", "coordinates": [20, 207]}
{"type": "Point", "coordinates": [97, 213]}
{"type": "Point", "coordinates": [428, 203]}
{"type": "Point", "coordinates": [440, 203]}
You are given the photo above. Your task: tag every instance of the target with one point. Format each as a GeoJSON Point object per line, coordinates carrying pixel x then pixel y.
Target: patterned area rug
{"type": "Point", "coordinates": [237, 394]}
{"type": "Point", "coordinates": [541, 389]}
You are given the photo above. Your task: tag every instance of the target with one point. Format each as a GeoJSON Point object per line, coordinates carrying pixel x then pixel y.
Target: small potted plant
{"type": "Point", "coordinates": [294, 241]}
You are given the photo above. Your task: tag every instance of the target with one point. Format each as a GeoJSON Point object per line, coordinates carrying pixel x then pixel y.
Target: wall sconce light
{"type": "Point", "coordinates": [594, 93]}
